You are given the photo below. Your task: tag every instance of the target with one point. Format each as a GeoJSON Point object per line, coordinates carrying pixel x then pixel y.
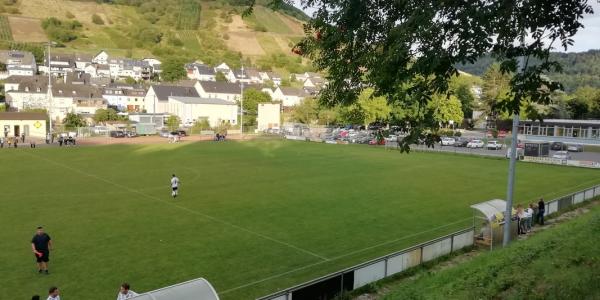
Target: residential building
{"type": "Point", "coordinates": [60, 64]}
{"type": "Point", "coordinates": [222, 90]}
{"type": "Point", "coordinates": [191, 109]}
{"type": "Point", "coordinates": [17, 63]}
{"type": "Point", "coordinates": [82, 60]}
{"type": "Point", "coordinates": [157, 96]}
{"type": "Point", "coordinates": [125, 97]}
{"type": "Point", "coordinates": [271, 76]}
{"type": "Point", "coordinates": [249, 76]}
{"type": "Point", "coordinates": [136, 99]}
{"type": "Point", "coordinates": [32, 93]}
{"type": "Point", "coordinates": [289, 96]}
{"type": "Point", "coordinates": [269, 116]}
{"type": "Point", "coordinates": [101, 58]}
{"type": "Point", "coordinates": [200, 72]}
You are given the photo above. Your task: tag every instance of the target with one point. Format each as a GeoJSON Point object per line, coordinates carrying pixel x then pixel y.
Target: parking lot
{"type": "Point", "coordinates": [584, 156]}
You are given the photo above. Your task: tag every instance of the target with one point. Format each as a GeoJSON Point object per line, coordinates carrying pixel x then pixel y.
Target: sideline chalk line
{"type": "Point", "coordinates": [340, 257]}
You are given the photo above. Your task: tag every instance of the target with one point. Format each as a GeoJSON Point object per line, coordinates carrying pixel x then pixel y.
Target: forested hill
{"type": "Point", "coordinates": [579, 68]}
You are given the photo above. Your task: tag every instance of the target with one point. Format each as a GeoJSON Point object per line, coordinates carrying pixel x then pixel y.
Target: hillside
{"type": "Point", "coordinates": [211, 31]}
{"type": "Point", "coordinates": [579, 69]}
{"type": "Point", "coordinates": [558, 263]}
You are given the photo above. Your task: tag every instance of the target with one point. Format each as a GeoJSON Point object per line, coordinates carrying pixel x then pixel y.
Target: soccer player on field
{"type": "Point", "coordinates": [174, 186]}
{"type": "Point", "coordinates": [41, 244]}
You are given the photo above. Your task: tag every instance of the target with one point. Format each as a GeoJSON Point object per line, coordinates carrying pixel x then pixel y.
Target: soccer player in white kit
{"type": "Point", "coordinates": [174, 185]}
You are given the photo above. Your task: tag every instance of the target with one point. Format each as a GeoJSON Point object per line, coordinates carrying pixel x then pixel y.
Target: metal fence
{"type": "Point", "coordinates": [335, 284]}
{"type": "Point", "coordinates": [565, 202]}
{"type": "Point", "coordinates": [332, 285]}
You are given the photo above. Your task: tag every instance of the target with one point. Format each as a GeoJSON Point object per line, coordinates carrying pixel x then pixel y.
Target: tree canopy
{"type": "Point", "coordinates": [407, 50]}
{"type": "Point", "coordinates": [172, 69]}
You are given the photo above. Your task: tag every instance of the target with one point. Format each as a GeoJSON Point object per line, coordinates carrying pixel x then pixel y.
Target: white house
{"type": "Point", "coordinates": [289, 96]}
{"type": "Point", "coordinates": [271, 76]}
{"type": "Point", "coordinates": [200, 72]}
{"type": "Point", "coordinates": [269, 116]}
{"type": "Point", "coordinates": [221, 90]}
{"type": "Point", "coordinates": [82, 60]}
{"type": "Point", "coordinates": [101, 58]}
{"type": "Point", "coordinates": [60, 64]}
{"type": "Point", "coordinates": [32, 93]}
{"type": "Point", "coordinates": [18, 63]}
{"type": "Point", "coordinates": [157, 96]}
{"type": "Point", "coordinates": [191, 109]}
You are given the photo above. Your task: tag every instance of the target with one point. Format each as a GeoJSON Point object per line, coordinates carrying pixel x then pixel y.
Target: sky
{"type": "Point", "coordinates": [586, 39]}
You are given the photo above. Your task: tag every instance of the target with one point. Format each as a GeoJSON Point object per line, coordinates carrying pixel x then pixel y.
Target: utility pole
{"type": "Point", "coordinates": [512, 163]}
{"type": "Point", "coordinates": [49, 88]}
{"type": "Point", "coordinates": [242, 104]}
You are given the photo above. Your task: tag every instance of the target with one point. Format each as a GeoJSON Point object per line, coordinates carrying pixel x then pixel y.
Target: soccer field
{"type": "Point", "coordinates": [252, 217]}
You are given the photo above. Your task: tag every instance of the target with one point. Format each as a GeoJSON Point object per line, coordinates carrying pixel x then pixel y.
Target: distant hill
{"type": "Point", "coordinates": [211, 31]}
{"type": "Point", "coordinates": [579, 69]}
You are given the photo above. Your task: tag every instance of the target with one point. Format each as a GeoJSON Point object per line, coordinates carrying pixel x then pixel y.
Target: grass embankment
{"type": "Point", "coordinates": [559, 263]}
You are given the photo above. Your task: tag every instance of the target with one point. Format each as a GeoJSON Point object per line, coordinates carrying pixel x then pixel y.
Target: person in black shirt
{"type": "Point", "coordinates": [541, 210]}
{"type": "Point", "coordinates": [41, 244]}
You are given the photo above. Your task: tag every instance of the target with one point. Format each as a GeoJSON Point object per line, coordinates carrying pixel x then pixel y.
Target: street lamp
{"type": "Point", "coordinates": [50, 44]}
{"type": "Point", "coordinates": [242, 104]}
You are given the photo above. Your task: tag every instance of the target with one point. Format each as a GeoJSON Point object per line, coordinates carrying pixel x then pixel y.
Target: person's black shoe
{"type": "Point", "coordinates": [47, 272]}
{"type": "Point", "coordinates": [40, 271]}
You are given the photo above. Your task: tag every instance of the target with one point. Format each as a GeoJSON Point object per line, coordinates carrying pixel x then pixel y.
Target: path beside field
{"type": "Point", "coordinates": [145, 140]}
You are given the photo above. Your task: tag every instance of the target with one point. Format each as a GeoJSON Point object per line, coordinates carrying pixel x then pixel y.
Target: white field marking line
{"type": "Point", "coordinates": [185, 208]}
{"type": "Point", "coordinates": [339, 257]}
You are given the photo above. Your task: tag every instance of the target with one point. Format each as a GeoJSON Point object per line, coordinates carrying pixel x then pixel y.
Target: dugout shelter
{"type": "Point", "coordinates": [488, 221]}
{"type": "Point", "coordinates": [197, 289]}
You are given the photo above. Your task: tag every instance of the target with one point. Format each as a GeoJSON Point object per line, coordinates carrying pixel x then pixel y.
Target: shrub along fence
{"type": "Point", "coordinates": [335, 284]}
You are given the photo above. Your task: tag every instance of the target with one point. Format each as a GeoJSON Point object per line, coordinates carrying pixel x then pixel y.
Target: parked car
{"type": "Point", "coordinates": [164, 134]}
{"type": "Point", "coordinates": [130, 134]}
{"type": "Point", "coordinates": [100, 130]}
{"type": "Point", "coordinates": [461, 142]}
{"type": "Point", "coordinates": [475, 144]}
{"type": "Point", "coordinates": [558, 146]}
{"type": "Point", "coordinates": [117, 134]}
{"type": "Point", "coordinates": [179, 133]}
{"type": "Point", "coordinates": [392, 138]}
{"type": "Point", "coordinates": [447, 141]}
{"type": "Point", "coordinates": [562, 155]}
{"type": "Point", "coordinates": [493, 145]}
{"type": "Point", "coordinates": [575, 148]}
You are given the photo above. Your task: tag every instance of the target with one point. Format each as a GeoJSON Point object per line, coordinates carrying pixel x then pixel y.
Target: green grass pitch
{"type": "Point", "coordinates": [252, 217]}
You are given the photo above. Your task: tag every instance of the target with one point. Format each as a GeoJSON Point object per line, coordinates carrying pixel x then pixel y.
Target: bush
{"type": "Point", "coordinates": [96, 19]}
{"type": "Point", "coordinates": [260, 28]}
{"type": "Point", "coordinates": [457, 133]}
{"type": "Point", "coordinates": [175, 41]}
{"type": "Point", "coordinates": [69, 15]}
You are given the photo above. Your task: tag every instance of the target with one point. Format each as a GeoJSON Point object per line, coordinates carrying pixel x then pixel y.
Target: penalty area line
{"type": "Point", "coordinates": [154, 198]}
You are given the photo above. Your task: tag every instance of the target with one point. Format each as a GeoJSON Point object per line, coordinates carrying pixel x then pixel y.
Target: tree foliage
{"type": "Point", "coordinates": [252, 98]}
{"type": "Point", "coordinates": [106, 115]}
{"type": "Point", "coordinates": [220, 77]}
{"type": "Point", "coordinates": [173, 122]}
{"type": "Point", "coordinates": [306, 112]}
{"type": "Point", "coordinates": [61, 31]}
{"type": "Point", "coordinates": [407, 50]}
{"type": "Point", "coordinates": [173, 70]}
{"type": "Point", "coordinates": [73, 120]}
